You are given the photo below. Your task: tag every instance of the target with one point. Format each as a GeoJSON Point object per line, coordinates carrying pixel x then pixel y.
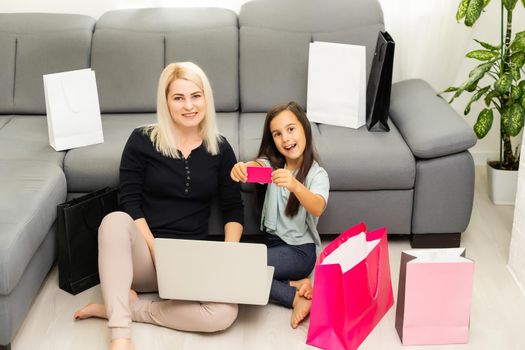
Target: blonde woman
{"type": "Point", "coordinates": [169, 173]}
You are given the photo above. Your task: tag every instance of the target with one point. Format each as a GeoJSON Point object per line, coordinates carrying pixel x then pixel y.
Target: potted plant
{"type": "Point", "coordinates": [503, 95]}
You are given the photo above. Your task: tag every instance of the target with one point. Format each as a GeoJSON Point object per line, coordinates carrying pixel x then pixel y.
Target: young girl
{"type": "Point", "coordinates": [292, 205]}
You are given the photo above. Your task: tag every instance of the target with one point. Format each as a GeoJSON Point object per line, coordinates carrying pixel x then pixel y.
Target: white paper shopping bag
{"type": "Point", "coordinates": [337, 84]}
{"type": "Point", "coordinates": [73, 112]}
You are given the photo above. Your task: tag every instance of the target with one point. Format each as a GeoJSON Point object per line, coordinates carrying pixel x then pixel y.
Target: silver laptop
{"type": "Point", "coordinates": [224, 272]}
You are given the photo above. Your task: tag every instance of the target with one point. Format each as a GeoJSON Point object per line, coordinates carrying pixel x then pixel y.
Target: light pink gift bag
{"type": "Point", "coordinates": [352, 289]}
{"type": "Point", "coordinates": [434, 296]}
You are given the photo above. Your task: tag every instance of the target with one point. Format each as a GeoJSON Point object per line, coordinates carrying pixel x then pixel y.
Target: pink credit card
{"type": "Point", "coordinates": [259, 174]}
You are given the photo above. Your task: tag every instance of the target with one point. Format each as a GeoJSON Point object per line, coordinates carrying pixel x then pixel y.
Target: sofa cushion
{"type": "Point", "coordinates": [127, 66]}
{"type": "Point", "coordinates": [217, 53]}
{"type": "Point", "coordinates": [377, 208]}
{"type": "Point", "coordinates": [31, 190]}
{"type": "Point", "coordinates": [93, 167]}
{"type": "Point", "coordinates": [273, 68]}
{"type": "Point", "coordinates": [310, 16]}
{"type": "Point", "coordinates": [96, 166]}
{"type": "Point", "coordinates": [56, 52]}
{"type": "Point", "coordinates": [354, 159]}
{"type": "Point", "coordinates": [45, 43]}
{"type": "Point", "coordinates": [26, 138]}
{"type": "Point", "coordinates": [133, 46]}
{"type": "Point", "coordinates": [274, 43]}
{"type": "Point", "coordinates": [357, 159]}
{"type": "Point", "coordinates": [7, 71]}
{"type": "Point", "coordinates": [429, 125]}
{"type": "Point", "coordinates": [167, 19]}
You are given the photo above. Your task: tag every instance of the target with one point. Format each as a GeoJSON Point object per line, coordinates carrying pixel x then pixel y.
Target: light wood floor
{"type": "Point", "coordinates": [498, 307]}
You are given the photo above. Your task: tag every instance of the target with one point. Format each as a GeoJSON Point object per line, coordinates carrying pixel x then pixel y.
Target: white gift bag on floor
{"type": "Point", "coordinates": [337, 84]}
{"type": "Point", "coordinates": [73, 112]}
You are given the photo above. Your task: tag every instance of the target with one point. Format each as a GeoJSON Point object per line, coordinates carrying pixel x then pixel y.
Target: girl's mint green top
{"type": "Point", "coordinates": [301, 228]}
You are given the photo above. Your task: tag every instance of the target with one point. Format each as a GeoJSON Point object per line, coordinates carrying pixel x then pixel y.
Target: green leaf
{"type": "Point", "coordinates": [503, 84]}
{"type": "Point", "coordinates": [513, 119]}
{"type": "Point", "coordinates": [462, 9]}
{"type": "Point", "coordinates": [472, 87]}
{"type": "Point", "coordinates": [518, 44]}
{"type": "Point", "coordinates": [484, 123]}
{"type": "Point", "coordinates": [476, 97]}
{"type": "Point", "coordinates": [522, 83]}
{"type": "Point", "coordinates": [515, 92]}
{"type": "Point", "coordinates": [510, 4]}
{"type": "Point", "coordinates": [473, 12]}
{"type": "Point", "coordinates": [487, 45]}
{"type": "Point", "coordinates": [451, 88]}
{"type": "Point", "coordinates": [523, 99]}
{"type": "Point", "coordinates": [490, 96]}
{"type": "Point", "coordinates": [474, 76]}
{"type": "Point", "coordinates": [482, 55]}
{"type": "Point", "coordinates": [518, 58]}
{"type": "Point", "coordinates": [515, 73]}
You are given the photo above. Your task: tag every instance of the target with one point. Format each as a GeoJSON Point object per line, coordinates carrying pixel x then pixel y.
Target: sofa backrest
{"type": "Point", "coordinates": [33, 44]}
{"type": "Point", "coordinates": [275, 37]}
{"type": "Point", "coordinates": [131, 47]}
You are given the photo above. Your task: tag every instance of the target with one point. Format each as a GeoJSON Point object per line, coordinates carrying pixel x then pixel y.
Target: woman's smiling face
{"type": "Point", "coordinates": [186, 103]}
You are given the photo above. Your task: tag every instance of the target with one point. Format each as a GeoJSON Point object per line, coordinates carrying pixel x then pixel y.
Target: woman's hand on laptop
{"type": "Point", "coordinates": [232, 232]}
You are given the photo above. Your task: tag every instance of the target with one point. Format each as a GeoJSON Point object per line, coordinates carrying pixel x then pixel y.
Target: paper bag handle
{"type": "Point", "coordinates": [376, 292]}
{"type": "Point", "coordinates": [100, 213]}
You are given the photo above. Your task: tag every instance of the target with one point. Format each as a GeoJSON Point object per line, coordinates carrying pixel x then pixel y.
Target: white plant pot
{"type": "Point", "coordinates": [502, 185]}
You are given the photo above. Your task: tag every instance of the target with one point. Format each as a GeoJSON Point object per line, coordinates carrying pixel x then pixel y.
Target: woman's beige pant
{"type": "Point", "coordinates": [124, 263]}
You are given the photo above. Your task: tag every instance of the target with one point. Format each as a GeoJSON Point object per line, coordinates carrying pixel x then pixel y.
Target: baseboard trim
{"type": "Point", "coordinates": [435, 240]}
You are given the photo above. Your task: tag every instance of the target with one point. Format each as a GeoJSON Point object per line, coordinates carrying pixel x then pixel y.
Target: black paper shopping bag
{"type": "Point", "coordinates": [77, 238]}
{"type": "Point", "coordinates": [380, 84]}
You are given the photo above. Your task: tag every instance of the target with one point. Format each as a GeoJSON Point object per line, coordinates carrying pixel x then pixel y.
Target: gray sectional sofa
{"type": "Point", "coordinates": [417, 179]}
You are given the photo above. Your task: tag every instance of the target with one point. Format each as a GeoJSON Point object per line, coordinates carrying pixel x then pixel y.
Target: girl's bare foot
{"type": "Point", "coordinates": [304, 287]}
{"type": "Point", "coordinates": [301, 309]}
{"type": "Point", "coordinates": [121, 344]}
{"type": "Point", "coordinates": [99, 310]}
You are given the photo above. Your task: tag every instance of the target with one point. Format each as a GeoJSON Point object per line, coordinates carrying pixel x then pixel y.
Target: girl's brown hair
{"type": "Point", "coordinates": [269, 151]}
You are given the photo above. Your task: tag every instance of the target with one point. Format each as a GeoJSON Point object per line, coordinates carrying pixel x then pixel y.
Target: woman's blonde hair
{"type": "Point", "coordinates": [161, 133]}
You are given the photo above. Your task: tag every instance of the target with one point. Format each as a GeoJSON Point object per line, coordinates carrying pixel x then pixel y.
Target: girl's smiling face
{"type": "Point", "coordinates": [289, 137]}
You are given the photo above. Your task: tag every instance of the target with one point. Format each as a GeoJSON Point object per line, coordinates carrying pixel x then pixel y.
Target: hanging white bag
{"type": "Point", "coordinates": [73, 111]}
{"type": "Point", "coordinates": [337, 84]}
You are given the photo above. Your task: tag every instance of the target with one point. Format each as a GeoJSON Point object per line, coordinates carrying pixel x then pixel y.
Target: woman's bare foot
{"type": "Point", "coordinates": [304, 287]}
{"type": "Point", "coordinates": [301, 309]}
{"type": "Point", "coordinates": [91, 310]}
{"type": "Point", "coordinates": [121, 344]}
{"type": "Point", "coordinates": [99, 310]}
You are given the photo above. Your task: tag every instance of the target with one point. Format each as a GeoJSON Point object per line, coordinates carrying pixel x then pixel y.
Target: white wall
{"type": "Point", "coordinates": [517, 243]}
{"type": "Point", "coordinates": [95, 8]}
{"type": "Point", "coordinates": [430, 44]}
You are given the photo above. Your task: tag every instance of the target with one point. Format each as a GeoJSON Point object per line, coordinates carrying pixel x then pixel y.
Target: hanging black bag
{"type": "Point", "coordinates": [380, 84]}
{"type": "Point", "coordinates": [77, 238]}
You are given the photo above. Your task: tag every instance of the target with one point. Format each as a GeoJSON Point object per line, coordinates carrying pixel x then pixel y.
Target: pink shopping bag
{"type": "Point", "coordinates": [434, 296]}
{"type": "Point", "coordinates": [352, 289]}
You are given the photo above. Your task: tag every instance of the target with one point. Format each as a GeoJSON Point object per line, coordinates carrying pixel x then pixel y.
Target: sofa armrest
{"type": "Point", "coordinates": [429, 125]}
